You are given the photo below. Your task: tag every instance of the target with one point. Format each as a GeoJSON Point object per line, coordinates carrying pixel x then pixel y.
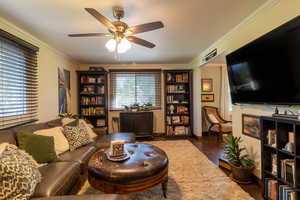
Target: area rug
{"type": "Point", "coordinates": [191, 177]}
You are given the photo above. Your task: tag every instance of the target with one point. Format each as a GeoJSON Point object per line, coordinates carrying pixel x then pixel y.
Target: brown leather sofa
{"type": "Point", "coordinates": [65, 177]}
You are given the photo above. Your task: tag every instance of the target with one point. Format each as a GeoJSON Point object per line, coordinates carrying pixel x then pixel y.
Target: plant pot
{"type": "Point", "coordinates": [242, 175]}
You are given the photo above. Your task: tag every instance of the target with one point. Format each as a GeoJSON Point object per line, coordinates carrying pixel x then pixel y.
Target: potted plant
{"type": "Point", "coordinates": [241, 165]}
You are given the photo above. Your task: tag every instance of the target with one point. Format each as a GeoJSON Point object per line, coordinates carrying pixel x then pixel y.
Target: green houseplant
{"type": "Point", "coordinates": [241, 165]}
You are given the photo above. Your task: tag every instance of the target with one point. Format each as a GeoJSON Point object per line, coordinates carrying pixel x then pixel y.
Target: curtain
{"type": "Point", "coordinates": [225, 104]}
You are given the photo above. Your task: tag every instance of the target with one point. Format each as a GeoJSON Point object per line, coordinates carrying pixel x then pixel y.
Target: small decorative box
{"type": "Point", "coordinates": [117, 148]}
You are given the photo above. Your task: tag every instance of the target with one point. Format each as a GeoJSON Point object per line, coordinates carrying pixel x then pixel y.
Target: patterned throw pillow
{"type": "Point", "coordinates": [19, 174]}
{"type": "Point", "coordinates": [77, 135]}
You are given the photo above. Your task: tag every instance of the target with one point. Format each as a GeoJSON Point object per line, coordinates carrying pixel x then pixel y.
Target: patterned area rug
{"type": "Point", "coordinates": [191, 177]}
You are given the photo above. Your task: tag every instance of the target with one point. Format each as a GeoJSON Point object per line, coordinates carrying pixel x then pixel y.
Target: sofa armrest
{"type": "Point", "coordinates": [81, 197]}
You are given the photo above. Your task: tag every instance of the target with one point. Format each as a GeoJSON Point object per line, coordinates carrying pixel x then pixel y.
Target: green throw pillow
{"type": "Point", "coordinates": [41, 148]}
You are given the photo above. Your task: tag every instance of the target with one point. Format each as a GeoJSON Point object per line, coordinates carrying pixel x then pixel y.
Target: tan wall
{"type": "Point", "coordinates": [214, 73]}
{"type": "Point", "coordinates": [211, 72]}
{"type": "Point", "coordinates": [265, 19]}
{"type": "Point", "coordinates": [49, 60]}
{"type": "Point", "coordinates": [159, 119]}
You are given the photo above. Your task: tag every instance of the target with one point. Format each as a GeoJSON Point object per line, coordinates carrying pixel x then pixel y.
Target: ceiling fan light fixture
{"type": "Point", "coordinates": [111, 45]}
{"type": "Point", "coordinates": [123, 46]}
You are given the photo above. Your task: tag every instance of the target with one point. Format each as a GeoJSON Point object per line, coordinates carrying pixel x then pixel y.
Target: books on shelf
{"type": "Point", "coordinates": [178, 130]}
{"type": "Point", "coordinates": [92, 79]}
{"type": "Point", "coordinates": [92, 100]}
{"type": "Point", "coordinates": [178, 120]}
{"type": "Point", "coordinates": [179, 78]}
{"type": "Point", "coordinates": [92, 111]}
{"type": "Point", "coordinates": [100, 122]}
{"type": "Point", "coordinates": [177, 99]}
{"type": "Point", "coordinates": [180, 89]}
{"type": "Point", "coordinates": [288, 171]}
{"type": "Point", "coordinates": [272, 138]}
{"type": "Point", "coordinates": [274, 164]}
{"type": "Point", "coordinates": [286, 193]}
{"type": "Point", "coordinates": [171, 109]}
{"type": "Point", "coordinates": [92, 89]}
{"type": "Point", "coordinates": [271, 191]}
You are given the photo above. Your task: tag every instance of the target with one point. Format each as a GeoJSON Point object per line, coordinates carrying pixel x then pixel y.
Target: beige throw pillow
{"type": "Point", "coordinates": [88, 127]}
{"type": "Point", "coordinates": [60, 141]}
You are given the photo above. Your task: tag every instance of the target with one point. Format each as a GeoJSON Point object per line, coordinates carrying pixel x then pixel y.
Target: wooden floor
{"type": "Point", "coordinates": [213, 150]}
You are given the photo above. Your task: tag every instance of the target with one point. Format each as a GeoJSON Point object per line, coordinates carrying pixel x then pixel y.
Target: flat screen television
{"type": "Point", "coordinates": [267, 70]}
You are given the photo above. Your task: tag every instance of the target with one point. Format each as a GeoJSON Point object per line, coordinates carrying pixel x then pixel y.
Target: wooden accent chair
{"type": "Point", "coordinates": [218, 125]}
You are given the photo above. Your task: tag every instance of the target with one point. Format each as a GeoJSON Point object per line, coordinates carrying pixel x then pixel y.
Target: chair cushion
{"type": "Point", "coordinates": [58, 179]}
{"type": "Point", "coordinates": [60, 141]}
{"type": "Point", "coordinates": [80, 155]}
{"type": "Point", "coordinates": [19, 174]}
{"type": "Point", "coordinates": [226, 127]}
{"type": "Point", "coordinates": [213, 119]}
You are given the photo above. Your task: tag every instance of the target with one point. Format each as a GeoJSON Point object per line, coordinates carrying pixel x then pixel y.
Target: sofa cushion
{"type": "Point", "coordinates": [77, 135]}
{"type": "Point", "coordinates": [80, 155]}
{"type": "Point", "coordinates": [88, 127]}
{"type": "Point", "coordinates": [58, 179]}
{"type": "Point", "coordinates": [30, 128]}
{"type": "Point", "coordinates": [41, 148]}
{"type": "Point", "coordinates": [8, 137]}
{"type": "Point", "coordinates": [60, 141]}
{"type": "Point", "coordinates": [19, 174]}
{"type": "Point", "coordinates": [54, 123]}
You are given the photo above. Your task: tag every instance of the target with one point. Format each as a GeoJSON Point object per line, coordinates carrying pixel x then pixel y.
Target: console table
{"type": "Point", "coordinates": [140, 123]}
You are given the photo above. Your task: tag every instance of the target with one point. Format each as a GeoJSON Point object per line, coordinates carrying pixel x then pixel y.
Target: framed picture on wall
{"type": "Point", "coordinates": [251, 126]}
{"type": "Point", "coordinates": [207, 97]}
{"type": "Point", "coordinates": [206, 85]}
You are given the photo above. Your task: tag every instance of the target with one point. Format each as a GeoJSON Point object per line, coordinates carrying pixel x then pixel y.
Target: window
{"type": "Point", "coordinates": [18, 81]}
{"type": "Point", "coordinates": [132, 87]}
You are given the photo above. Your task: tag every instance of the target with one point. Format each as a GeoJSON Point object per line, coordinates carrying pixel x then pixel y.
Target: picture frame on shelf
{"type": "Point", "coordinates": [207, 85]}
{"type": "Point", "coordinates": [251, 125]}
{"type": "Point", "coordinates": [207, 97]}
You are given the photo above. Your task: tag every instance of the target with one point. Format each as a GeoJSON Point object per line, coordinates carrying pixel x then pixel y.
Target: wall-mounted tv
{"type": "Point", "coordinates": [267, 70]}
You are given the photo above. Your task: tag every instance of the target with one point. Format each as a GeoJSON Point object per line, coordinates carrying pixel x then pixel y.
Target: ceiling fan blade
{"type": "Point", "coordinates": [145, 27]}
{"type": "Point", "coordinates": [106, 22]}
{"type": "Point", "coordinates": [90, 35]}
{"type": "Point", "coordinates": [140, 41]}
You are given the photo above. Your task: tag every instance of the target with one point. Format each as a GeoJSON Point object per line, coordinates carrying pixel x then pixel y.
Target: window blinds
{"type": "Point", "coordinates": [18, 81]}
{"type": "Point", "coordinates": [130, 87]}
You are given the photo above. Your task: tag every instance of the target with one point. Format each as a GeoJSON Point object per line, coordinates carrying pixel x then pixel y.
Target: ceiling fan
{"type": "Point", "coordinates": [120, 31]}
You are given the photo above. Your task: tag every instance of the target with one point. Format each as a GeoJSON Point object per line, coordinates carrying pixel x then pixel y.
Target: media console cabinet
{"type": "Point", "coordinates": [139, 123]}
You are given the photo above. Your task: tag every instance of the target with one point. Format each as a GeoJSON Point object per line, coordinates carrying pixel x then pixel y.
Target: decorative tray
{"type": "Point", "coordinates": [125, 156]}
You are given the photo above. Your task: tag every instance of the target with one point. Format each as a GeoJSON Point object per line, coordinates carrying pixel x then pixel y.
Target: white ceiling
{"type": "Point", "coordinates": [190, 26]}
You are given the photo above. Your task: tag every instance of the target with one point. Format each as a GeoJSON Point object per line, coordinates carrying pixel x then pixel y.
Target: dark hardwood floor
{"type": "Point", "coordinates": [213, 150]}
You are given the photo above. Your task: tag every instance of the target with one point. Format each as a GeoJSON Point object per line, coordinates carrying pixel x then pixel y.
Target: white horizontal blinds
{"type": "Point", "coordinates": [132, 87]}
{"type": "Point", "coordinates": [18, 83]}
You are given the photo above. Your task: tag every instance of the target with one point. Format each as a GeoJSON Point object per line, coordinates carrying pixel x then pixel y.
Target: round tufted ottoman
{"type": "Point", "coordinates": [146, 167]}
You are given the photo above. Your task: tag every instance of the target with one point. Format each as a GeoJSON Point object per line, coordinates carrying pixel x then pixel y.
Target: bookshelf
{"type": "Point", "coordinates": [280, 166]}
{"type": "Point", "coordinates": [178, 103]}
{"type": "Point", "coordinates": [92, 97]}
